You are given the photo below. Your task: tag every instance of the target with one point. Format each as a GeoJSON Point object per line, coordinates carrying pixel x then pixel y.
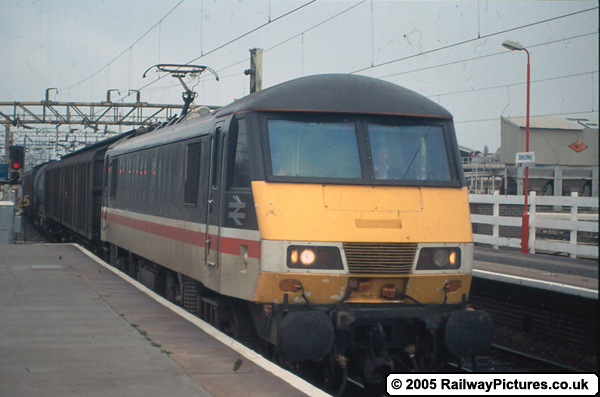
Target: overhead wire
{"type": "Point", "coordinates": [381, 64]}
{"type": "Point", "coordinates": [335, 16]}
{"type": "Point", "coordinates": [128, 48]}
{"type": "Point", "coordinates": [270, 48]}
{"type": "Point", "coordinates": [438, 49]}
{"type": "Point", "coordinates": [238, 38]}
{"type": "Point", "coordinates": [209, 52]}
{"type": "Point", "coordinates": [298, 34]}
{"type": "Point", "coordinates": [537, 115]}
{"type": "Point", "coordinates": [501, 53]}
{"type": "Point", "coordinates": [473, 40]}
{"type": "Point", "coordinates": [254, 30]}
{"type": "Point", "coordinates": [495, 87]}
{"type": "Point", "coordinates": [495, 54]}
{"type": "Point", "coordinates": [313, 27]}
{"type": "Point", "coordinates": [484, 56]}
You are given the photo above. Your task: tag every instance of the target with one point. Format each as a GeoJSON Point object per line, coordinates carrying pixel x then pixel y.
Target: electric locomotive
{"type": "Point", "coordinates": [327, 215]}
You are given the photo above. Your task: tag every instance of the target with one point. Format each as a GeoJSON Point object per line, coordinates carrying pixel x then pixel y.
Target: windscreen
{"type": "Point", "coordinates": [358, 149]}
{"type": "Point", "coordinates": [322, 150]}
{"type": "Point", "coordinates": [413, 152]}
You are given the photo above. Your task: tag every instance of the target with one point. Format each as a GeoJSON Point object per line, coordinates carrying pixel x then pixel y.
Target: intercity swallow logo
{"type": "Point", "coordinates": [237, 205]}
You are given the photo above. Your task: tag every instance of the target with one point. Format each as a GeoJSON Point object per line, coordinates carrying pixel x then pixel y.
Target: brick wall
{"type": "Point", "coordinates": [505, 210]}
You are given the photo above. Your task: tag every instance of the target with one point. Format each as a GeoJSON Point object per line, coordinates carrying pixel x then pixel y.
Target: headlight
{"type": "Point", "coordinates": [314, 257]}
{"type": "Point", "coordinates": [307, 257]}
{"type": "Point", "coordinates": [439, 258]}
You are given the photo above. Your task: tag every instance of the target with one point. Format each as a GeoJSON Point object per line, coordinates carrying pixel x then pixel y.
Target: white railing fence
{"type": "Point", "coordinates": [550, 228]}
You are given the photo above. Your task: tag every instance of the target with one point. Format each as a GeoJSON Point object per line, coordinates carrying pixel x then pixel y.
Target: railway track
{"type": "Point", "coordinates": [501, 359]}
{"type": "Point", "coordinates": [552, 326]}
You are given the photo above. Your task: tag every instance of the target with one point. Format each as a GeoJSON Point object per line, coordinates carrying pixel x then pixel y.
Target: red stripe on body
{"type": "Point", "coordinates": [227, 245]}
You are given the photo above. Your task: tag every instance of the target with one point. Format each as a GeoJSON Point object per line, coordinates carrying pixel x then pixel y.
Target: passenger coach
{"type": "Point", "coordinates": [328, 215]}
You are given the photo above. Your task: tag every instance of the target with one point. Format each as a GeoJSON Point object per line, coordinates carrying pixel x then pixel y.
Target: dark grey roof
{"type": "Point", "coordinates": [338, 93]}
{"type": "Point", "coordinates": [98, 145]}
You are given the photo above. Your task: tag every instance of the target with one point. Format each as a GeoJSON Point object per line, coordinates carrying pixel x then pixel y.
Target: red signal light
{"type": "Point", "coordinates": [16, 157]}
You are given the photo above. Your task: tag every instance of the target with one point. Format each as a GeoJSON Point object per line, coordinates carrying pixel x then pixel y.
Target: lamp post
{"type": "Point", "coordinates": [514, 46]}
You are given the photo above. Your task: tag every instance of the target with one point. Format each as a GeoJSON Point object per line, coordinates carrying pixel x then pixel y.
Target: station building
{"type": "Point", "coordinates": [566, 158]}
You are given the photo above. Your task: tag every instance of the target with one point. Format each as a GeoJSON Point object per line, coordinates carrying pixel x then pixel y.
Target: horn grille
{"type": "Point", "coordinates": [380, 258]}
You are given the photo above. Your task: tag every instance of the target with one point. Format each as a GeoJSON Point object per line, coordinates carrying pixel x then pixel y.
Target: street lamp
{"type": "Point", "coordinates": [514, 46]}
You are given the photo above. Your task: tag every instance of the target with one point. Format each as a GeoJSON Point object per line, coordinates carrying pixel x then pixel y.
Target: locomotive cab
{"type": "Point", "coordinates": [364, 221]}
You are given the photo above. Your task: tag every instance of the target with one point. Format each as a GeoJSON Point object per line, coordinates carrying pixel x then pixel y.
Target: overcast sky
{"type": "Point", "coordinates": [449, 51]}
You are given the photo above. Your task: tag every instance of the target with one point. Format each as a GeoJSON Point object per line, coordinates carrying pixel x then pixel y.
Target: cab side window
{"type": "Point", "coordinates": [114, 172]}
{"type": "Point", "coordinates": [241, 170]}
{"type": "Point", "coordinates": [192, 173]}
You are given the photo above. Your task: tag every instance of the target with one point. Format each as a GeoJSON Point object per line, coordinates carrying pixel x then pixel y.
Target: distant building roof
{"type": "Point", "coordinates": [466, 149]}
{"type": "Point", "coordinates": [553, 123]}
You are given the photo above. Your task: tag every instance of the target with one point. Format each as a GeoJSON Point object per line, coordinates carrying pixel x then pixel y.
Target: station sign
{"type": "Point", "coordinates": [525, 159]}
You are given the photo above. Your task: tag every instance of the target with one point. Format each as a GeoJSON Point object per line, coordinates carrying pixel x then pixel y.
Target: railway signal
{"type": "Point", "coordinates": [16, 155]}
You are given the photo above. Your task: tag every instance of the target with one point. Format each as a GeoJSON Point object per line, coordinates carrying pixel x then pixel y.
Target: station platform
{"type": "Point", "coordinates": [561, 274]}
{"type": "Point", "coordinates": [72, 325]}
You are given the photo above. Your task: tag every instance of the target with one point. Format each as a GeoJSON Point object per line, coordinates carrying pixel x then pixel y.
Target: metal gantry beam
{"type": "Point", "coordinates": [97, 116]}
{"type": "Point", "coordinates": [89, 114]}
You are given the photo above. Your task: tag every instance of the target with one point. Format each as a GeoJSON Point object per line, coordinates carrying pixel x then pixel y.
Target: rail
{"type": "Point", "coordinates": [556, 224]}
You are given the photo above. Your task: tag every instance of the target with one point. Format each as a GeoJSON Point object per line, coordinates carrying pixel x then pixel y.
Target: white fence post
{"type": "Point", "coordinates": [573, 234]}
{"type": "Point", "coordinates": [532, 226]}
{"type": "Point", "coordinates": [496, 214]}
{"type": "Point", "coordinates": [558, 223]}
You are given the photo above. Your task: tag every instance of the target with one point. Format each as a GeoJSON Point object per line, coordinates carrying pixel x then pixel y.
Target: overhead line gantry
{"type": "Point", "coordinates": [93, 115]}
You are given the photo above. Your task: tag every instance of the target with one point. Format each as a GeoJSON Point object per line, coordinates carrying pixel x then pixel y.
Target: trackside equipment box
{"type": "Point", "coordinates": [7, 218]}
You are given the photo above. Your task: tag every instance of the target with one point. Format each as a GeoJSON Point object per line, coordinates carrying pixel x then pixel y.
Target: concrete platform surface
{"type": "Point", "coordinates": [70, 326]}
{"type": "Point", "coordinates": [547, 263]}
{"type": "Point", "coordinates": [565, 275]}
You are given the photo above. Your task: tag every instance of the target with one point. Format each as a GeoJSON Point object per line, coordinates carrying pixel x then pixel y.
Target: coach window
{"type": "Point", "coordinates": [114, 172]}
{"type": "Point", "coordinates": [241, 171]}
{"type": "Point", "coordinates": [192, 173]}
